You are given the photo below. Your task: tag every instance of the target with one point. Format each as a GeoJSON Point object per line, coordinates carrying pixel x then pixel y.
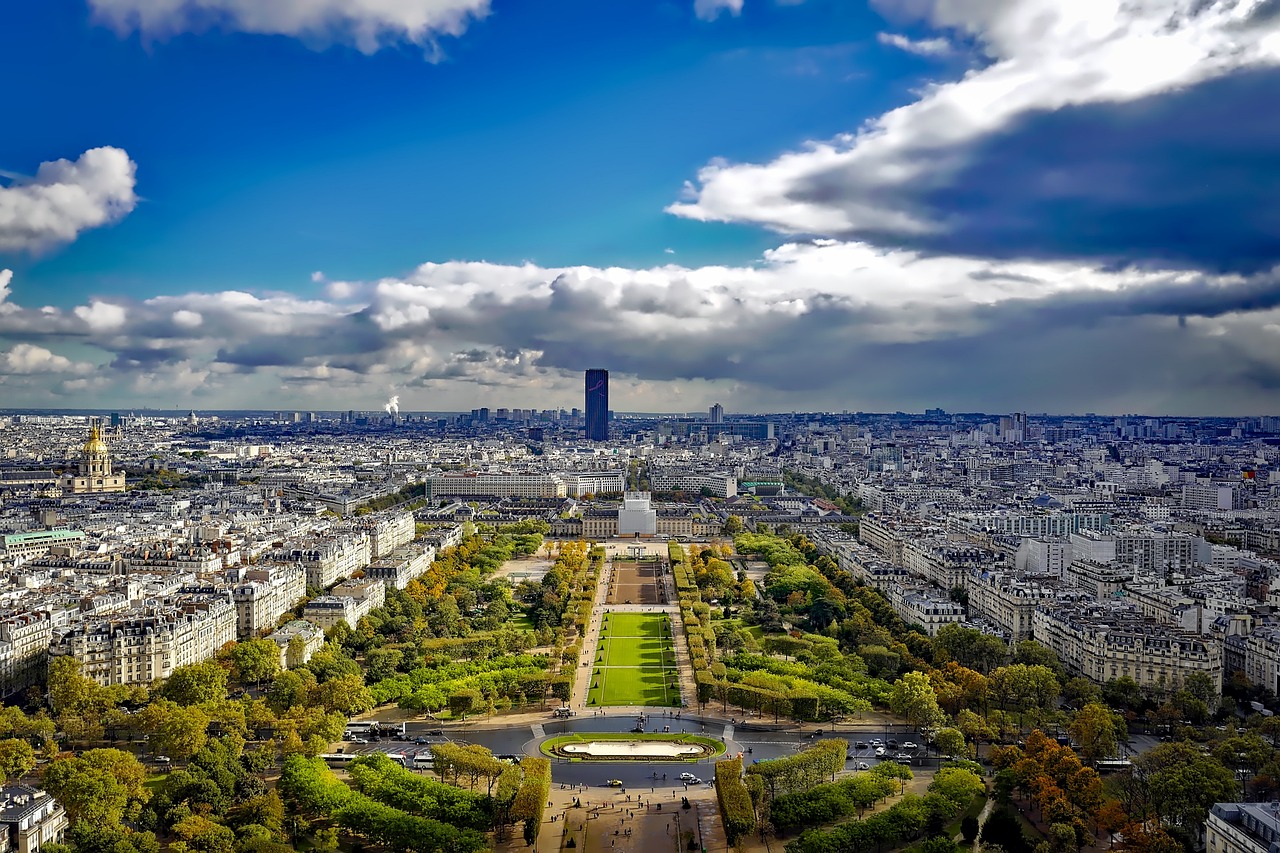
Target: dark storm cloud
{"type": "Point", "coordinates": [1187, 179]}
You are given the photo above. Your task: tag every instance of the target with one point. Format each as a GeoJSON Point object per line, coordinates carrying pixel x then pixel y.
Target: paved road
{"type": "Point", "coordinates": [763, 744]}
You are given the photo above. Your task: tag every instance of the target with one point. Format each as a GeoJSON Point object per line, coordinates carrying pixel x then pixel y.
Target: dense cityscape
{"type": "Point", "coordinates": [682, 426]}
{"type": "Point", "coordinates": [350, 598]}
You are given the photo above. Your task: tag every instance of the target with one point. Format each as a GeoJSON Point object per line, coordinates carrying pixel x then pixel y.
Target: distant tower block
{"type": "Point", "coordinates": [717, 414]}
{"type": "Point", "coordinates": [597, 403]}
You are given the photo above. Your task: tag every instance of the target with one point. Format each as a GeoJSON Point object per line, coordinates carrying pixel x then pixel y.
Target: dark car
{"type": "Point", "coordinates": [436, 732]}
{"type": "Point", "coordinates": [420, 739]}
{"type": "Point", "coordinates": [892, 742]}
{"type": "Point", "coordinates": [862, 744]}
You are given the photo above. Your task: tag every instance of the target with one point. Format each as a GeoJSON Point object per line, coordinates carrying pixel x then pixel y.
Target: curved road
{"type": "Point", "coordinates": [523, 739]}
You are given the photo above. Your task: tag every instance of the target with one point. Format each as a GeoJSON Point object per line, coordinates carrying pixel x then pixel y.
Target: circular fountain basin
{"type": "Point", "coordinates": [633, 749]}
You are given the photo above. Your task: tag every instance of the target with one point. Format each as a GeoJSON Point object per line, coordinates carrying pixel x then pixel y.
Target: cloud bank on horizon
{"type": "Point", "coordinates": [1081, 219]}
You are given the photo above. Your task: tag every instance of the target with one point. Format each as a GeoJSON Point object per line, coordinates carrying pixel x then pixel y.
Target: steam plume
{"type": "Point", "coordinates": [393, 405]}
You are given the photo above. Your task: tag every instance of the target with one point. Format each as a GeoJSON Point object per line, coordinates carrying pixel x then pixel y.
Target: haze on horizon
{"type": "Point", "coordinates": [986, 205]}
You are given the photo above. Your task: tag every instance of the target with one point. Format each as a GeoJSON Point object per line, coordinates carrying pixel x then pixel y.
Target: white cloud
{"type": "Point", "coordinates": [709, 10]}
{"type": "Point", "coordinates": [28, 359]}
{"type": "Point", "coordinates": [187, 319]}
{"type": "Point", "coordinates": [1042, 55]}
{"type": "Point", "coordinates": [920, 47]}
{"type": "Point", "coordinates": [101, 316]}
{"type": "Point", "coordinates": [65, 198]}
{"type": "Point", "coordinates": [369, 25]}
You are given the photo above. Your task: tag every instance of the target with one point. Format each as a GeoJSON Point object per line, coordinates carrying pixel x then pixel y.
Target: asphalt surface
{"type": "Point", "coordinates": [763, 743]}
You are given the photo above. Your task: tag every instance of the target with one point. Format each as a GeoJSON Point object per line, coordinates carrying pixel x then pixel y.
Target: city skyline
{"type": "Point", "coordinates": [801, 206]}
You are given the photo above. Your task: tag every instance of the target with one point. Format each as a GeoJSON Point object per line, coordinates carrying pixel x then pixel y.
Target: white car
{"type": "Point", "coordinates": [910, 745]}
{"type": "Point", "coordinates": [862, 765]}
{"type": "Point", "coordinates": [880, 752]}
{"type": "Point", "coordinates": [687, 777]}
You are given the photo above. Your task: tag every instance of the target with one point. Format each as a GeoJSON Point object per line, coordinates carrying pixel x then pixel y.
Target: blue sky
{"type": "Point", "coordinates": [804, 204]}
{"type": "Point", "coordinates": [548, 131]}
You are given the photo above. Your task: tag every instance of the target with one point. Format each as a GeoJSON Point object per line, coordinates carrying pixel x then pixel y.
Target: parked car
{"type": "Point", "coordinates": [881, 752]}
{"type": "Point", "coordinates": [910, 745]}
{"type": "Point", "coordinates": [163, 759]}
{"type": "Point", "coordinates": [875, 741]}
{"type": "Point", "coordinates": [862, 744]}
{"type": "Point", "coordinates": [892, 743]}
{"type": "Point", "coordinates": [862, 765]}
{"type": "Point", "coordinates": [902, 756]}
{"type": "Point", "coordinates": [613, 783]}
{"type": "Point", "coordinates": [420, 739]}
{"type": "Point", "coordinates": [359, 740]}
{"type": "Point", "coordinates": [435, 732]}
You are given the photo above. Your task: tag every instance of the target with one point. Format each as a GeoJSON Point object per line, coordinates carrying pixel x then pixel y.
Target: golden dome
{"type": "Point", "coordinates": [95, 445]}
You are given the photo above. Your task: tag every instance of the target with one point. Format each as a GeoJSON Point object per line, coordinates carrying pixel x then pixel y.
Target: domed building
{"type": "Point", "coordinates": [94, 469]}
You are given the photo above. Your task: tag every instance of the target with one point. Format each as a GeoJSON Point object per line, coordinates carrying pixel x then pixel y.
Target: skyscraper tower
{"type": "Point", "coordinates": [717, 414]}
{"type": "Point", "coordinates": [597, 405]}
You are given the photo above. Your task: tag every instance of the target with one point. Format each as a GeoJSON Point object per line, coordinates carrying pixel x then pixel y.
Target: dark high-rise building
{"type": "Point", "coordinates": [597, 405]}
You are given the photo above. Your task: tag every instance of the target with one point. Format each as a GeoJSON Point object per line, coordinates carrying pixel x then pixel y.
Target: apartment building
{"type": "Point", "coordinates": [266, 594]}
{"type": "Point", "coordinates": [34, 543]}
{"type": "Point", "coordinates": [30, 819]}
{"type": "Point", "coordinates": [386, 531]}
{"type": "Point", "coordinates": [1100, 580]}
{"type": "Point", "coordinates": [927, 608]}
{"type": "Point", "coordinates": [1007, 601]}
{"type": "Point", "coordinates": [1262, 656]}
{"type": "Point", "coordinates": [310, 639]}
{"type": "Point", "coordinates": [24, 651]}
{"type": "Point", "coordinates": [140, 647]}
{"type": "Point", "coordinates": [326, 560]}
{"type": "Point", "coordinates": [582, 483]}
{"type": "Point", "coordinates": [718, 483]}
{"type": "Point", "coordinates": [888, 534]}
{"type": "Point", "coordinates": [1104, 643]}
{"type": "Point", "coordinates": [1242, 828]}
{"type": "Point", "coordinates": [349, 602]}
{"type": "Point", "coordinates": [400, 567]}
{"type": "Point", "coordinates": [501, 484]}
{"type": "Point", "coordinates": [945, 564]}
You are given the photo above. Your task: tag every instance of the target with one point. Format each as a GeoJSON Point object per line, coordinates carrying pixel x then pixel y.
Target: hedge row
{"type": "Point", "coordinates": [803, 770]}
{"type": "Point", "coordinates": [901, 822]}
{"type": "Point", "coordinates": [736, 810]}
{"type": "Point", "coordinates": [830, 802]}
{"type": "Point", "coordinates": [532, 795]}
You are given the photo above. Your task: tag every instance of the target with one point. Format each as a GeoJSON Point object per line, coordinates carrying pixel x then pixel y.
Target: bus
{"type": "Point", "coordinates": [367, 728]}
{"type": "Point", "coordinates": [338, 759]}
{"type": "Point", "coordinates": [1112, 764]}
{"type": "Point", "coordinates": [423, 762]}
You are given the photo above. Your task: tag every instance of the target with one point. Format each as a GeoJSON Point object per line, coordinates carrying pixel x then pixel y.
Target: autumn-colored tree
{"type": "Point", "coordinates": [1098, 730]}
{"type": "Point", "coordinates": [1111, 818]}
{"type": "Point", "coordinates": [1147, 838]}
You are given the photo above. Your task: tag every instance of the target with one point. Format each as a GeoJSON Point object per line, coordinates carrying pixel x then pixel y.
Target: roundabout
{"type": "Point", "coordinates": [611, 746]}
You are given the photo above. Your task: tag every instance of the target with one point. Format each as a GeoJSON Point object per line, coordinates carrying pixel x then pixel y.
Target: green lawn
{"type": "Point", "coordinates": [634, 662]}
{"type": "Point", "coordinates": [652, 625]}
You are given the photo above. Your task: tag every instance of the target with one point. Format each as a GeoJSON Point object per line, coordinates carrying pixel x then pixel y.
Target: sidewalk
{"type": "Point", "coordinates": [591, 639]}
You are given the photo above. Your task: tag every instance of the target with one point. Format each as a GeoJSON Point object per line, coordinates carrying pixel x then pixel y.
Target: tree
{"type": "Point", "coordinates": [176, 731]}
{"type": "Point", "coordinates": [912, 697]}
{"type": "Point", "coordinates": [346, 694]}
{"type": "Point", "coordinates": [1182, 784]}
{"type": "Point", "coordinates": [958, 785]}
{"type": "Point", "coordinates": [1080, 691]}
{"type": "Point", "coordinates": [196, 683]}
{"type": "Point", "coordinates": [968, 647]}
{"type": "Point", "coordinates": [1097, 730]}
{"type": "Point", "coordinates": [69, 689]}
{"type": "Point", "coordinates": [17, 758]}
{"type": "Point", "coordinates": [950, 742]}
{"type": "Point", "coordinates": [1122, 692]}
{"type": "Point", "coordinates": [255, 660]}
{"type": "Point", "coordinates": [203, 835]}
{"type": "Point", "coordinates": [102, 786]}
{"type": "Point", "coordinates": [733, 525]}
{"type": "Point", "coordinates": [1034, 654]}
{"type": "Point", "coordinates": [1111, 818]}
